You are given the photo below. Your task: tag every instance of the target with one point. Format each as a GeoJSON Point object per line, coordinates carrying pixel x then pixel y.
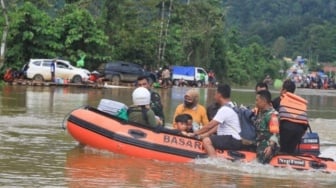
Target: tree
{"type": "Point", "coordinates": [132, 29]}
{"type": "Point", "coordinates": [195, 27]}
{"type": "Point", "coordinates": [31, 35]}
{"type": "Point", "coordinates": [80, 35]}
{"type": "Point", "coordinates": [4, 34]}
{"type": "Point", "coordinates": [166, 31]}
{"type": "Point", "coordinates": [279, 47]}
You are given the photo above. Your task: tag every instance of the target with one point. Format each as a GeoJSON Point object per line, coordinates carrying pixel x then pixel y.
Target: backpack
{"type": "Point", "coordinates": [143, 111]}
{"type": "Point", "coordinates": [114, 108]}
{"type": "Point", "coordinates": [246, 120]}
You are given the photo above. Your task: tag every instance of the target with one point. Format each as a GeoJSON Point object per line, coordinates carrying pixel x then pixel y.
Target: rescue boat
{"type": "Point", "coordinates": [101, 130]}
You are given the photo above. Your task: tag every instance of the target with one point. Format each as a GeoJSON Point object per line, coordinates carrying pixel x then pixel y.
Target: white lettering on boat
{"type": "Point", "coordinates": [174, 140]}
{"type": "Point", "coordinates": [297, 162]}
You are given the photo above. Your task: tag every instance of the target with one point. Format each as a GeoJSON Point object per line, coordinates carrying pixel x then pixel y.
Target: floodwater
{"type": "Point", "coordinates": [35, 151]}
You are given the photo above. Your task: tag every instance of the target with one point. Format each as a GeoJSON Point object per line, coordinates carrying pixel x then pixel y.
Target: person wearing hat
{"type": "Point", "coordinates": [155, 103]}
{"type": "Point", "coordinates": [192, 107]}
{"type": "Point", "coordinates": [140, 112]}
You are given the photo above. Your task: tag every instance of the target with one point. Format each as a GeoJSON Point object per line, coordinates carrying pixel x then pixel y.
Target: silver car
{"type": "Point", "coordinates": [40, 70]}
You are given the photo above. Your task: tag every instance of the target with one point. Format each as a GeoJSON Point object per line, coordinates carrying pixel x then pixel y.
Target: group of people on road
{"type": "Point", "coordinates": [220, 129]}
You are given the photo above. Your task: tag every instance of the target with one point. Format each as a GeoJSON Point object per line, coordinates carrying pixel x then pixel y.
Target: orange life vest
{"type": "Point", "coordinates": [293, 108]}
{"type": "Point", "coordinates": [273, 124]}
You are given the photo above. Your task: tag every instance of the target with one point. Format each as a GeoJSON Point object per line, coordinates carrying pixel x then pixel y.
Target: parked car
{"type": "Point", "coordinates": [125, 72]}
{"type": "Point", "coordinates": [39, 70]}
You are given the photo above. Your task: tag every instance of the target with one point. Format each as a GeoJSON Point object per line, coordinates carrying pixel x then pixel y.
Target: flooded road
{"type": "Point", "coordinates": [37, 152]}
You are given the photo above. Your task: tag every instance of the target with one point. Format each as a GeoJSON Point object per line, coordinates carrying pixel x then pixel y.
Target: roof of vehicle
{"type": "Point", "coordinates": [66, 61]}
{"type": "Point", "coordinates": [122, 62]}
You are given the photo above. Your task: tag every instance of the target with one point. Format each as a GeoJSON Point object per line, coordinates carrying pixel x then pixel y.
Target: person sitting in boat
{"type": "Point", "coordinates": [259, 87]}
{"type": "Point", "coordinates": [225, 123]}
{"type": "Point", "coordinates": [155, 102]}
{"type": "Point", "coordinates": [267, 125]}
{"type": "Point", "coordinates": [291, 129]}
{"type": "Point", "coordinates": [212, 110]}
{"type": "Point", "coordinates": [183, 123]}
{"type": "Point", "coordinates": [140, 111]}
{"type": "Point", "coordinates": [190, 127]}
{"type": "Point", "coordinates": [193, 108]}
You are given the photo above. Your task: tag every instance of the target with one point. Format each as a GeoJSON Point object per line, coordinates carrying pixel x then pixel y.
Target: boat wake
{"type": "Point", "coordinates": [257, 170]}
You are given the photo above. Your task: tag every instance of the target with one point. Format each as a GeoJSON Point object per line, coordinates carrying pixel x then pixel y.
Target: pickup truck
{"type": "Point", "coordinates": [189, 74]}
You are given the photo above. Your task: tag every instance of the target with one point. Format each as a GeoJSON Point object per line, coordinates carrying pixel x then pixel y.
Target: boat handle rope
{"type": "Point", "coordinates": [66, 117]}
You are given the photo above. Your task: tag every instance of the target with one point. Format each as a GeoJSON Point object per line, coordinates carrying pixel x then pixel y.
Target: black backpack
{"type": "Point", "coordinates": [246, 120]}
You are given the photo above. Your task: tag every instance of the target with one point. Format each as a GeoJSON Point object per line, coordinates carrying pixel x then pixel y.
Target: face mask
{"type": "Point", "coordinates": [188, 104]}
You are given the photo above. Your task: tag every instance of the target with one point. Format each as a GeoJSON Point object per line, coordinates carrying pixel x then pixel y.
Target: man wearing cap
{"type": "Point", "coordinates": [192, 107]}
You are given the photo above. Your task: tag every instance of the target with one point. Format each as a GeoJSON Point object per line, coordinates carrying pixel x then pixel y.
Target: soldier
{"type": "Point", "coordinates": [267, 125]}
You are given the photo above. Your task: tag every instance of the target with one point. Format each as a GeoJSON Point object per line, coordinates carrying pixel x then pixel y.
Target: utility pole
{"type": "Point", "coordinates": [161, 31]}
{"type": "Point", "coordinates": [166, 32]}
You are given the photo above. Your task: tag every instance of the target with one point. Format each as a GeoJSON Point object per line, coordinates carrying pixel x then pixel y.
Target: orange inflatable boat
{"type": "Point", "coordinates": [98, 129]}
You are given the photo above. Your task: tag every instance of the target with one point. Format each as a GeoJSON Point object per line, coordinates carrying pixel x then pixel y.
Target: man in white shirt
{"type": "Point", "coordinates": [225, 123]}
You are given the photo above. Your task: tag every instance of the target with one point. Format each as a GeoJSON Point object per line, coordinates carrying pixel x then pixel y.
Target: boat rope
{"type": "Point", "coordinates": [66, 117]}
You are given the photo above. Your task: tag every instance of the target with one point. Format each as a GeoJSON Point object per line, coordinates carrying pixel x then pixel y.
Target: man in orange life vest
{"type": "Point", "coordinates": [291, 132]}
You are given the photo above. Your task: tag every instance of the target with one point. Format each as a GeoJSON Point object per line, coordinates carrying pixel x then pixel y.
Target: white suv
{"type": "Point", "coordinates": [40, 70]}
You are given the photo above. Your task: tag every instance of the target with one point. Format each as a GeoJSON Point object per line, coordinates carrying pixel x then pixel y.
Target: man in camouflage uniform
{"type": "Point", "coordinates": [155, 103]}
{"type": "Point", "coordinates": [267, 137]}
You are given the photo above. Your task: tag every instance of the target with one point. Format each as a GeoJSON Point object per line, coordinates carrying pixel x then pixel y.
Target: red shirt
{"type": "Point", "coordinates": [93, 77]}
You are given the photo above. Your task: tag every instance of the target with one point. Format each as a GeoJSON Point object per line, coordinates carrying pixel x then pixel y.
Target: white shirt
{"type": "Point", "coordinates": [228, 122]}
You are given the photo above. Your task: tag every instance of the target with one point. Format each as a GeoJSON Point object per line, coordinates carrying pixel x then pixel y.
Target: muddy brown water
{"type": "Point", "coordinates": [36, 152]}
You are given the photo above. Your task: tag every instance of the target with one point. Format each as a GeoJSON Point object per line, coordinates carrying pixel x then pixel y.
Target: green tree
{"type": "Point", "coordinates": [4, 33]}
{"type": "Point", "coordinates": [295, 20]}
{"type": "Point", "coordinates": [198, 24]}
{"type": "Point", "coordinates": [132, 29]}
{"type": "Point", "coordinates": [79, 35]}
{"type": "Point", "coordinates": [279, 47]}
{"type": "Point", "coordinates": [31, 35]}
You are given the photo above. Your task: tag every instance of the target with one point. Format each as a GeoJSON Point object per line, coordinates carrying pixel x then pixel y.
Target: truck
{"type": "Point", "coordinates": [190, 75]}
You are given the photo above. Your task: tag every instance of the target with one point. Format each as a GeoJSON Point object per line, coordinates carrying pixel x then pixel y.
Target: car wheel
{"type": "Point", "coordinates": [199, 84]}
{"type": "Point", "coordinates": [77, 79]}
{"type": "Point", "coordinates": [38, 78]}
{"type": "Point", "coordinates": [115, 79]}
